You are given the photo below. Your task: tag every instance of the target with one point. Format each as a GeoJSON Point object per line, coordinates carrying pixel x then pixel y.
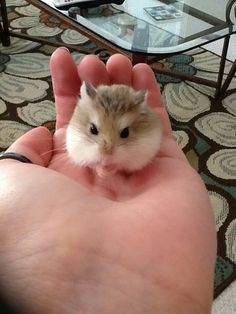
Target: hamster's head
{"type": "Point", "coordinates": [112, 129]}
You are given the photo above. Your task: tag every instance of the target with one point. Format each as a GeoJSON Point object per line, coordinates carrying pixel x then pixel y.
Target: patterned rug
{"type": "Point", "coordinates": [205, 128]}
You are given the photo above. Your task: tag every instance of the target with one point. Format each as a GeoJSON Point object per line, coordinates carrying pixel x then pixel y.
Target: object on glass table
{"type": "Point", "coordinates": [125, 23]}
{"type": "Point", "coordinates": [66, 4]}
{"type": "Point", "coordinates": [104, 10]}
{"type": "Point", "coordinates": [163, 12]}
{"type": "Point", "coordinates": [126, 20]}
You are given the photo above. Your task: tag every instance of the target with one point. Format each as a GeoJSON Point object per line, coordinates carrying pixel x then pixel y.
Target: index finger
{"type": "Point", "coordinates": [67, 78]}
{"type": "Point", "coordinates": [66, 85]}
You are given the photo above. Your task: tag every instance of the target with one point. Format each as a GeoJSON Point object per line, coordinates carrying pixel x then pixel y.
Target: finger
{"type": "Point", "coordinates": [36, 145]}
{"type": "Point", "coordinates": [169, 148]}
{"type": "Point", "coordinates": [119, 69]}
{"type": "Point", "coordinates": [93, 70]}
{"type": "Point", "coordinates": [144, 79]}
{"type": "Point", "coordinates": [66, 85]}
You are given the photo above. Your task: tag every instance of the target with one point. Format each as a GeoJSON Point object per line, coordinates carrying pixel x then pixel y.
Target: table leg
{"type": "Point", "coordinates": [4, 29]}
{"type": "Point", "coordinates": [222, 88]}
{"type": "Point", "coordinates": [222, 66]}
{"type": "Point", "coordinates": [228, 80]}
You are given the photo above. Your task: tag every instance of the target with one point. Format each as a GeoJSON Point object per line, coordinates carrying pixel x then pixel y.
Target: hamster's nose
{"type": "Point", "coordinates": [107, 147]}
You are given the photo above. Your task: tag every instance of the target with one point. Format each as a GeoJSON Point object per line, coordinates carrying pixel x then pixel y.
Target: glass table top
{"type": "Point", "coordinates": [158, 27]}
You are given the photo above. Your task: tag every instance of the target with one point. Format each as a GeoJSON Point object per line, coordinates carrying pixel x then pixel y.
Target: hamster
{"type": "Point", "coordinates": [113, 129]}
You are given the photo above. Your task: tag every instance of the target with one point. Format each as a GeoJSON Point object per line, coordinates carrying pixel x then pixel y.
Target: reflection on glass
{"type": "Point", "coordinates": [146, 26]}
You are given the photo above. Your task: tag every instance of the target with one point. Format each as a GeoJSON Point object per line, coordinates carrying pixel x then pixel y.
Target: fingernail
{"type": "Point", "coordinates": [65, 48]}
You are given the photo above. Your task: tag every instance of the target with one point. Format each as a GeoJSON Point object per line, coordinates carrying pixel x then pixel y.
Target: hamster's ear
{"type": "Point", "coordinates": [140, 99]}
{"type": "Point", "coordinates": [87, 90]}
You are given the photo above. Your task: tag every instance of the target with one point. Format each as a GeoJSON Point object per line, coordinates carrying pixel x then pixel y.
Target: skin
{"type": "Point", "coordinates": [66, 249]}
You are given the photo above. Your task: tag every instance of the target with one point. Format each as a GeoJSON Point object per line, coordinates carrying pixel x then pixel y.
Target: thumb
{"type": "Point", "coordinates": [36, 145]}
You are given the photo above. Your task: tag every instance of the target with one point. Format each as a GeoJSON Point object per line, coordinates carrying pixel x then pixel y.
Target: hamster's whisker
{"type": "Point", "coordinates": [60, 158]}
{"type": "Point", "coordinates": [54, 150]}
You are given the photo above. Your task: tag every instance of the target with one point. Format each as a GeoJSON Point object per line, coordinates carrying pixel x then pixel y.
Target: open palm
{"type": "Point", "coordinates": [153, 252]}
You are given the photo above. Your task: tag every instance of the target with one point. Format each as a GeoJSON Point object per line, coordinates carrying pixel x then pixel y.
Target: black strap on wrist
{"type": "Point", "coordinates": [15, 156]}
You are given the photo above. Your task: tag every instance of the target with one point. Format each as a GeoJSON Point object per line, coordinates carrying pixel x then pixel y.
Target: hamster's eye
{"type": "Point", "coordinates": [93, 129]}
{"type": "Point", "coordinates": [124, 133]}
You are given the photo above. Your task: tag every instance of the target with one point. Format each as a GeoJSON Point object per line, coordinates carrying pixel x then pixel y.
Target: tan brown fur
{"type": "Point", "coordinates": [111, 109]}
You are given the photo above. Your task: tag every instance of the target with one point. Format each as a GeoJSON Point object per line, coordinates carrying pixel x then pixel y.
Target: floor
{"type": "Point", "coordinates": [217, 48]}
{"type": "Point", "coordinates": [226, 302]}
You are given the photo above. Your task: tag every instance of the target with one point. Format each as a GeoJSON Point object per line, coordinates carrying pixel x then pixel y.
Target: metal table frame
{"type": "Point", "coordinates": [221, 89]}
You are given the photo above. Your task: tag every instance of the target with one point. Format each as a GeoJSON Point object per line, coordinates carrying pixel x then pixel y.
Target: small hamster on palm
{"type": "Point", "coordinates": [113, 129]}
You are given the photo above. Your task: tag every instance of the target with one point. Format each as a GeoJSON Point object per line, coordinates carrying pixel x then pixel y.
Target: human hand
{"type": "Point", "coordinates": [65, 249]}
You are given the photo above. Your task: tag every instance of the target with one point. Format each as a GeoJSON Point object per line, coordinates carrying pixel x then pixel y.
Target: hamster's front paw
{"type": "Point", "coordinates": [105, 171]}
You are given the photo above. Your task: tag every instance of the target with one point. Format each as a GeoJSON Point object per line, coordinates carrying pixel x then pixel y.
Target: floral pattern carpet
{"type": "Point", "coordinates": [205, 128]}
